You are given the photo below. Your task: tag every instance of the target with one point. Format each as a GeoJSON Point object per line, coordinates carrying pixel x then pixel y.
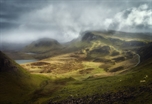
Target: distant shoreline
{"type": "Point", "coordinates": [25, 61]}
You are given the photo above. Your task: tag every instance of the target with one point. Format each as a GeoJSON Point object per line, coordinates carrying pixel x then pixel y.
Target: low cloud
{"type": "Point", "coordinates": [65, 21]}
{"type": "Point", "coordinates": [134, 19]}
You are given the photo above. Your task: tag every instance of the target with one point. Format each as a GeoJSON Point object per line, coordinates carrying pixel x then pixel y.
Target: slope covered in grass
{"type": "Point", "coordinates": [16, 83]}
{"type": "Point", "coordinates": [58, 79]}
{"type": "Point", "coordinates": [17, 86]}
{"type": "Point", "coordinates": [132, 87]}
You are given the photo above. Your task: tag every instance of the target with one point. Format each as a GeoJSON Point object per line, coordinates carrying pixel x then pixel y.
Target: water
{"type": "Point", "coordinates": [25, 61]}
{"type": "Point", "coordinates": [30, 53]}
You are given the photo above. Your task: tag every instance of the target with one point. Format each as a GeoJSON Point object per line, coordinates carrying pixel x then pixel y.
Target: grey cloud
{"type": "Point", "coordinates": [65, 19]}
{"type": "Point", "coordinates": [138, 18]}
{"type": "Point", "coordinates": [11, 10]}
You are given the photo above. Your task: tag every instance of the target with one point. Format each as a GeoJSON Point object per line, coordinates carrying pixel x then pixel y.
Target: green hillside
{"type": "Point", "coordinates": [16, 83]}
{"type": "Point", "coordinates": [133, 87]}
{"type": "Point", "coordinates": [100, 68]}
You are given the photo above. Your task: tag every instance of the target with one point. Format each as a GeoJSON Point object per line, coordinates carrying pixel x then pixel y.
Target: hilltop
{"type": "Point", "coordinates": [42, 45]}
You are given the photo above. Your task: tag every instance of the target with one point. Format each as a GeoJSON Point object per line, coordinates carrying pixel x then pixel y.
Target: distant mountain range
{"type": "Point", "coordinates": [47, 47]}
{"type": "Point", "coordinates": [52, 43]}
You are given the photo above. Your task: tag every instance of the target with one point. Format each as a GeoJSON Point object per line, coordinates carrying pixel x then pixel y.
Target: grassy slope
{"type": "Point", "coordinates": [129, 83]}
{"type": "Point", "coordinates": [122, 82]}
{"type": "Point", "coordinates": [16, 90]}
{"type": "Point", "coordinates": [92, 86]}
{"type": "Point", "coordinates": [39, 89]}
{"type": "Point", "coordinates": [16, 84]}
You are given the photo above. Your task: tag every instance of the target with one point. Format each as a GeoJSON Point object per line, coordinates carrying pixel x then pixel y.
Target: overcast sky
{"type": "Point", "coordinates": [64, 20]}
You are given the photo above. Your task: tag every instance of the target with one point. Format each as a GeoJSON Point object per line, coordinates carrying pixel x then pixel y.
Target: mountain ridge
{"type": "Point", "coordinates": [42, 45]}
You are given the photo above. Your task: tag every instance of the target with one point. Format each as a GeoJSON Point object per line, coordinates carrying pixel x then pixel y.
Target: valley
{"type": "Point", "coordinates": [99, 58]}
{"type": "Point", "coordinates": [101, 67]}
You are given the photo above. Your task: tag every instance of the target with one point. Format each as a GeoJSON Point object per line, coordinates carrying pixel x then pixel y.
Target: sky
{"type": "Point", "coordinates": [63, 20]}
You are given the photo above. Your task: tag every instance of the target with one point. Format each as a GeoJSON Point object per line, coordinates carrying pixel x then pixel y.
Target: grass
{"type": "Point", "coordinates": [62, 88]}
{"type": "Point", "coordinates": [25, 88]}
{"type": "Point", "coordinates": [74, 84]}
{"type": "Point", "coordinates": [16, 89]}
{"type": "Point", "coordinates": [39, 89]}
{"type": "Point", "coordinates": [103, 85]}
{"type": "Point", "coordinates": [16, 83]}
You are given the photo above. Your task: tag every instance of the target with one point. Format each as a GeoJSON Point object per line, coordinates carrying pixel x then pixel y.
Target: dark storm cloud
{"type": "Point", "coordinates": [5, 25]}
{"type": "Point", "coordinates": [10, 10]}
{"type": "Point", "coordinates": [65, 19]}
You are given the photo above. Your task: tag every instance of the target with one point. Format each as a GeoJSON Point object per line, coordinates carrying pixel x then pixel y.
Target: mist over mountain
{"type": "Point", "coordinates": [42, 45]}
{"type": "Point", "coordinates": [49, 42]}
{"type": "Point", "coordinates": [65, 21]}
{"type": "Point", "coordinates": [45, 42]}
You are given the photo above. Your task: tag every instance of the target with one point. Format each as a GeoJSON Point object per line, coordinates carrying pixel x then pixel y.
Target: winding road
{"type": "Point", "coordinates": [138, 60]}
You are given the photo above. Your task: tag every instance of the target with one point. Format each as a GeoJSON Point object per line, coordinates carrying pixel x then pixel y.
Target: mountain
{"type": "Point", "coordinates": [16, 83]}
{"type": "Point", "coordinates": [92, 41]}
{"type": "Point", "coordinates": [133, 86]}
{"type": "Point", "coordinates": [46, 47]}
{"type": "Point", "coordinates": [125, 35]}
{"type": "Point", "coordinates": [101, 67]}
{"type": "Point", "coordinates": [42, 45]}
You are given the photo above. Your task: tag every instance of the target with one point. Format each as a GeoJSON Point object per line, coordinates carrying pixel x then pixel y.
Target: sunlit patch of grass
{"type": "Point", "coordinates": [40, 89]}
{"type": "Point", "coordinates": [91, 86]}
